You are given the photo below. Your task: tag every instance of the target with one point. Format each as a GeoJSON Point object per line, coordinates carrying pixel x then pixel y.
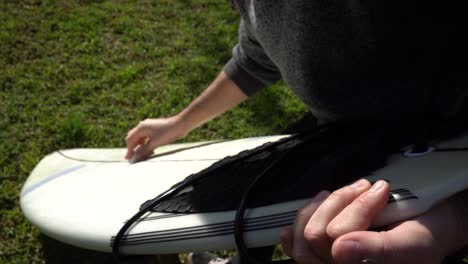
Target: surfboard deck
{"type": "Point", "coordinates": [83, 196]}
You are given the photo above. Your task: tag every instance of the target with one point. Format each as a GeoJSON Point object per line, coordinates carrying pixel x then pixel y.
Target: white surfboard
{"type": "Point", "coordinates": [83, 196]}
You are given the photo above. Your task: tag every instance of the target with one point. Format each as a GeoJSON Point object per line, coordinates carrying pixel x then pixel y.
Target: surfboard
{"type": "Point", "coordinates": [83, 197]}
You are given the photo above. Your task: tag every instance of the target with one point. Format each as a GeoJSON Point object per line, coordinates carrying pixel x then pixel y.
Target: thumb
{"type": "Point", "coordinates": [410, 242]}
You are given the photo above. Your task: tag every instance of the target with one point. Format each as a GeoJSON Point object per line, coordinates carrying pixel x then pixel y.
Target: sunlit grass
{"type": "Point", "coordinates": [81, 75]}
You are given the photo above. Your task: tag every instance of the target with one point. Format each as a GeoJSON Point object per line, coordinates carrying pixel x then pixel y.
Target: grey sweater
{"type": "Point", "coordinates": [355, 59]}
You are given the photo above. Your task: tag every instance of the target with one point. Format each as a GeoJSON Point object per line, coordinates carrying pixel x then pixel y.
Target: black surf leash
{"type": "Point", "coordinates": [174, 190]}
{"type": "Point", "coordinates": [239, 220]}
{"type": "Point", "coordinates": [115, 243]}
{"type": "Point", "coordinates": [420, 146]}
{"type": "Point", "coordinates": [238, 223]}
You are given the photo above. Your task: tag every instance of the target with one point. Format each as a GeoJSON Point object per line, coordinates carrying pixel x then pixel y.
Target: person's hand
{"type": "Point", "coordinates": [333, 229]}
{"type": "Point", "coordinates": [150, 134]}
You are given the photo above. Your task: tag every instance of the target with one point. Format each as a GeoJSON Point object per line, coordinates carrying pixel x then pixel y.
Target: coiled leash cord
{"type": "Point", "coordinates": [239, 219]}
{"type": "Point", "coordinates": [146, 208]}
{"type": "Point", "coordinates": [183, 185]}
{"type": "Point", "coordinates": [242, 248]}
{"type": "Point", "coordinates": [244, 255]}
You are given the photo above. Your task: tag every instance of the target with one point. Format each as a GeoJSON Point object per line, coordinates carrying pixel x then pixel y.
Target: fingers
{"type": "Point", "coordinates": [133, 139]}
{"type": "Point", "coordinates": [329, 216]}
{"type": "Point", "coordinates": [301, 252]}
{"type": "Point", "coordinates": [331, 230]}
{"type": "Point", "coordinates": [425, 239]}
{"type": "Point", "coordinates": [138, 143]}
{"type": "Point", "coordinates": [359, 246]}
{"type": "Point", "coordinates": [152, 133]}
{"type": "Point", "coordinates": [315, 232]}
{"type": "Point", "coordinates": [143, 151]}
{"type": "Point", "coordinates": [359, 214]}
{"type": "Point", "coordinates": [408, 243]}
{"type": "Point", "coordinates": [286, 238]}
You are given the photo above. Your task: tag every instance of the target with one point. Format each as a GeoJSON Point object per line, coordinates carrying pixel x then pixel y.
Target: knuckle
{"type": "Point", "coordinates": [339, 196]}
{"type": "Point", "coordinates": [312, 237]}
{"type": "Point", "coordinates": [141, 126]}
{"type": "Point", "coordinates": [361, 203]}
{"type": "Point", "coordinates": [303, 213]}
{"type": "Point", "coordinates": [335, 230]}
{"type": "Point", "coordinates": [143, 122]}
{"type": "Point", "coordinates": [128, 138]}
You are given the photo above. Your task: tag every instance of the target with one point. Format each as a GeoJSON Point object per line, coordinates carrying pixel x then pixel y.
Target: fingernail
{"type": "Point", "coordinates": [351, 250]}
{"type": "Point", "coordinates": [378, 186]}
{"type": "Point", "coordinates": [368, 261]}
{"type": "Point", "coordinates": [359, 184]}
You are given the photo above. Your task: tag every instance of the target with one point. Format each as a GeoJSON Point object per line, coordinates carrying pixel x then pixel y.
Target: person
{"type": "Point", "coordinates": [346, 60]}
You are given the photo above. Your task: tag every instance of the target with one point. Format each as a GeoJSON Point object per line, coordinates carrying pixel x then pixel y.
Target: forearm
{"type": "Point", "coordinates": [220, 96]}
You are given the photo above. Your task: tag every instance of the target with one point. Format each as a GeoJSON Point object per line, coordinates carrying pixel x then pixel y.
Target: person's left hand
{"type": "Point", "coordinates": [333, 229]}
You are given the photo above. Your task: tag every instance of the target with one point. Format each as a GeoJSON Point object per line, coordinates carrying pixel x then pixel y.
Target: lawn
{"type": "Point", "coordinates": [82, 73]}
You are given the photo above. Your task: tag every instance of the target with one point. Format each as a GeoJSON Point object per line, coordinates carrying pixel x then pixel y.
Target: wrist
{"type": "Point", "coordinates": [182, 124]}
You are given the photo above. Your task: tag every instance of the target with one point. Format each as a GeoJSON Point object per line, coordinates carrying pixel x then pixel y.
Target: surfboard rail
{"type": "Point", "coordinates": [83, 196]}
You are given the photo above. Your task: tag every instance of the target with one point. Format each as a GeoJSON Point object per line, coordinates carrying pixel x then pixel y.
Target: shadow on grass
{"type": "Point", "coordinates": [56, 252]}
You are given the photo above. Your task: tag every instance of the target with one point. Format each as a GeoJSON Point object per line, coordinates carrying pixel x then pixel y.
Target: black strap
{"type": "Point", "coordinates": [115, 243]}
{"type": "Point", "coordinates": [238, 228]}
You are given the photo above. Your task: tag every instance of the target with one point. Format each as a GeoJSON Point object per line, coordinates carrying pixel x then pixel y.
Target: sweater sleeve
{"type": "Point", "coordinates": [250, 67]}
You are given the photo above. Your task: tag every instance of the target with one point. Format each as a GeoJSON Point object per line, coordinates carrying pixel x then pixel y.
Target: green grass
{"type": "Point", "coordinates": [81, 75]}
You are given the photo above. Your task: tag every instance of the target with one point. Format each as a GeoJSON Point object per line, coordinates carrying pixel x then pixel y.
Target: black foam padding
{"type": "Point", "coordinates": [322, 159]}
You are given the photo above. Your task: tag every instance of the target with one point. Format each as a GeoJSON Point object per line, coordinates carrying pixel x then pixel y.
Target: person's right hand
{"type": "Point", "coordinates": [333, 228]}
{"type": "Point", "coordinates": [150, 134]}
